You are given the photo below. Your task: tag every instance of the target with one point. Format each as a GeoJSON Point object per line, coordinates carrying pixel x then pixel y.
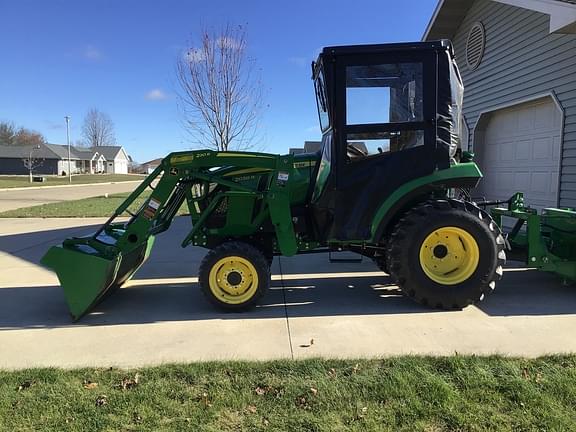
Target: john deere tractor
{"type": "Point", "coordinates": [384, 185]}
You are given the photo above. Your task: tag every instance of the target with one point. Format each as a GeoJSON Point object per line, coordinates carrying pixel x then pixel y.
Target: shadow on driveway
{"type": "Point", "coordinates": [44, 307]}
{"type": "Point", "coordinates": [519, 293]}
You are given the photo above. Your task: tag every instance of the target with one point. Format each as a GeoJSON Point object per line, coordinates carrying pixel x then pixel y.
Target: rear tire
{"type": "Point", "coordinates": [234, 276]}
{"type": "Point", "coordinates": [446, 254]}
{"type": "Point", "coordinates": [382, 263]}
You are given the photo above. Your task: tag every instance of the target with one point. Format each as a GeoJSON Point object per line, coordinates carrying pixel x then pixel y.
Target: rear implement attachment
{"type": "Point", "coordinates": [545, 240]}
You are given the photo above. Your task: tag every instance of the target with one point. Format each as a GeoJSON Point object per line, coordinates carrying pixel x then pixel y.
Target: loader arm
{"type": "Point", "coordinates": [89, 267]}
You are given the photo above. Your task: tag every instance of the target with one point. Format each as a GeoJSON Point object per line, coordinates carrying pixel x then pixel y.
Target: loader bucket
{"type": "Point", "coordinates": [87, 277]}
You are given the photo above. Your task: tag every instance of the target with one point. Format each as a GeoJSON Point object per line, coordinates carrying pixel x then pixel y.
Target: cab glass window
{"type": "Point", "coordinates": [383, 94]}
{"type": "Point", "coordinates": [321, 101]}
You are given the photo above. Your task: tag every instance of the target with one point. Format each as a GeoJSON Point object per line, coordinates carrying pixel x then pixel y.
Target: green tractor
{"type": "Point", "coordinates": [385, 185]}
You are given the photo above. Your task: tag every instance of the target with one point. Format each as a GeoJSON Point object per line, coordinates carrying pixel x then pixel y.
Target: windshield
{"type": "Point", "coordinates": [322, 101]}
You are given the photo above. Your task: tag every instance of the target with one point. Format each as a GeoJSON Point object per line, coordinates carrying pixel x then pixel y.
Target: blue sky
{"type": "Point", "coordinates": [63, 57]}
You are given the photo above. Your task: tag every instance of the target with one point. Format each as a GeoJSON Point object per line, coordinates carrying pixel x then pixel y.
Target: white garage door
{"type": "Point", "coordinates": [519, 151]}
{"type": "Point", "coordinates": [121, 167]}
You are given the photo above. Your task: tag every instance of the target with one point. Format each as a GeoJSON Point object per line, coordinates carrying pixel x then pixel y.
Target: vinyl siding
{"type": "Point", "coordinates": [11, 166]}
{"type": "Point", "coordinates": [521, 60]}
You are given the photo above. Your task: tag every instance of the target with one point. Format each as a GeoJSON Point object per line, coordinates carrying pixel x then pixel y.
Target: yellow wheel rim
{"type": "Point", "coordinates": [233, 280]}
{"type": "Point", "coordinates": [449, 255]}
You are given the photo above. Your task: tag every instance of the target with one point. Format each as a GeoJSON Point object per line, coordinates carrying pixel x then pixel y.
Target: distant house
{"type": "Point", "coordinates": [53, 159]}
{"type": "Point", "coordinates": [115, 157]}
{"type": "Point", "coordinates": [309, 147]}
{"type": "Point", "coordinates": [148, 167]}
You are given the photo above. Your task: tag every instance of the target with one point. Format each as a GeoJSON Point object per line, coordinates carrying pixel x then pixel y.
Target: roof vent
{"type": "Point", "coordinates": [475, 45]}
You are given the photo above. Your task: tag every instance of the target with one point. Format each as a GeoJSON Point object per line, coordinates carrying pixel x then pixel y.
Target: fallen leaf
{"type": "Point", "coordinates": [525, 374]}
{"type": "Point", "coordinates": [89, 385]}
{"type": "Point", "coordinates": [538, 377]}
{"type": "Point", "coordinates": [311, 342]}
{"type": "Point", "coordinates": [206, 400]}
{"type": "Point", "coordinates": [101, 400]}
{"type": "Point", "coordinates": [314, 391]}
{"type": "Point", "coordinates": [129, 383]}
{"type": "Point", "coordinates": [136, 418]}
{"type": "Point", "coordinates": [252, 409]}
{"type": "Point", "coordinates": [356, 368]}
{"type": "Point", "coordinates": [332, 372]}
{"type": "Point", "coordinates": [302, 402]}
{"type": "Point", "coordinates": [260, 391]}
{"type": "Point", "coordinates": [265, 422]}
{"type": "Point", "coordinates": [26, 385]}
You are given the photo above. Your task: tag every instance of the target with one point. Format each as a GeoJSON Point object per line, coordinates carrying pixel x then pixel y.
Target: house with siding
{"type": "Point", "coordinates": [518, 63]}
{"type": "Point", "coordinates": [150, 166]}
{"type": "Point", "coordinates": [309, 147]}
{"type": "Point", "coordinates": [52, 159]}
{"type": "Point", "coordinates": [115, 157]}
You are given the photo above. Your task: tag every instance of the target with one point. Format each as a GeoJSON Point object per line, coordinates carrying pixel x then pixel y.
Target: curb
{"type": "Point", "coordinates": [66, 186]}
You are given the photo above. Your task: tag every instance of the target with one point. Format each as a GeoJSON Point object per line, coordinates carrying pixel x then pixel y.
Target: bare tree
{"type": "Point", "coordinates": [220, 93]}
{"type": "Point", "coordinates": [98, 129]}
{"type": "Point", "coordinates": [31, 163]}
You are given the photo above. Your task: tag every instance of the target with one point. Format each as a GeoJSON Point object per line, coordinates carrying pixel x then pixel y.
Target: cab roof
{"type": "Point", "coordinates": [443, 44]}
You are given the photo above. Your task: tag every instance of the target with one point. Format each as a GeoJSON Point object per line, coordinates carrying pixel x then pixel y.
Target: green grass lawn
{"type": "Point", "coordinates": [23, 181]}
{"type": "Point", "coordinates": [399, 394]}
{"type": "Point", "coordinates": [87, 207]}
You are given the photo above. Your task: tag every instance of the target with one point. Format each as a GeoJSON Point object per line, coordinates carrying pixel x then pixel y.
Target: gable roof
{"type": "Point", "coordinates": [153, 162]}
{"type": "Point", "coordinates": [58, 151]}
{"type": "Point", "coordinates": [449, 14]}
{"type": "Point", "coordinates": [109, 152]}
{"type": "Point", "coordinates": [46, 151]}
{"type": "Point", "coordinates": [62, 151]}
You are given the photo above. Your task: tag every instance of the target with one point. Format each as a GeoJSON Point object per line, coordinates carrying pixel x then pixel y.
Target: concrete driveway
{"type": "Point", "coordinates": [314, 308]}
{"type": "Point", "coordinates": [11, 199]}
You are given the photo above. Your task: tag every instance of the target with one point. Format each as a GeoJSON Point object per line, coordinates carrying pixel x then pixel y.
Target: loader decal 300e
{"type": "Point", "coordinates": [382, 186]}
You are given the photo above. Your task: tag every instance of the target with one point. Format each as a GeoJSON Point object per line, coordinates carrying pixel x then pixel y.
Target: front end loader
{"type": "Point", "coordinates": [384, 185]}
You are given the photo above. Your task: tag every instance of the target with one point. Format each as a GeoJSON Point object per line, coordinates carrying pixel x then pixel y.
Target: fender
{"type": "Point", "coordinates": [459, 175]}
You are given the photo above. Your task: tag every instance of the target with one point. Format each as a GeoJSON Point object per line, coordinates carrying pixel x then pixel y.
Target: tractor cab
{"type": "Point", "coordinates": [389, 114]}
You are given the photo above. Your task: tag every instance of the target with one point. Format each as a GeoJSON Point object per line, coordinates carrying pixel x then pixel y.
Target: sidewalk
{"type": "Point", "coordinates": [66, 186]}
{"type": "Point", "coordinates": [13, 198]}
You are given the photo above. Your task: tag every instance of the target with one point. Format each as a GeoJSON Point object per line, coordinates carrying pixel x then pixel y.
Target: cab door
{"type": "Point", "coordinates": [385, 132]}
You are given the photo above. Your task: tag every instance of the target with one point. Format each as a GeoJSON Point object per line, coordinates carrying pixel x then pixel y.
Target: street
{"type": "Point", "coordinates": [314, 308]}
{"type": "Point", "coordinates": [28, 197]}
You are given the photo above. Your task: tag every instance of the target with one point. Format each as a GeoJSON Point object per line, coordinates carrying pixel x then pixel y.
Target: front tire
{"type": "Point", "coordinates": [446, 254]}
{"type": "Point", "coordinates": [234, 276]}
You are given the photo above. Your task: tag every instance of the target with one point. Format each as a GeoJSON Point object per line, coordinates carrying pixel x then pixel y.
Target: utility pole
{"type": "Point", "coordinates": [68, 140]}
